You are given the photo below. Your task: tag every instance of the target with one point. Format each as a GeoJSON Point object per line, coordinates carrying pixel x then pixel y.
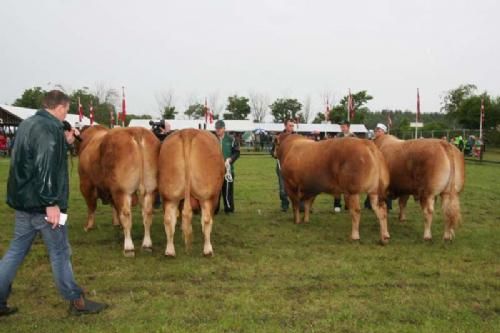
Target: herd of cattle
{"type": "Point", "coordinates": [123, 166]}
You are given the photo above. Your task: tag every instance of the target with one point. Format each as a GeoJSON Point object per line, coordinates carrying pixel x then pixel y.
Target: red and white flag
{"type": "Point", "coordinates": [482, 111]}
{"type": "Point", "coordinates": [209, 115]}
{"type": "Point", "coordinates": [91, 114]}
{"type": "Point", "coordinates": [111, 119]}
{"type": "Point", "coordinates": [327, 111]}
{"type": "Point", "coordinates": [124, 107]}
{"type": "Point", "coordinates": [350, 106]}
{"type": "Point", "coordinates": [418, 106]}
{"type": "Point", "coordinates": [80, 110]}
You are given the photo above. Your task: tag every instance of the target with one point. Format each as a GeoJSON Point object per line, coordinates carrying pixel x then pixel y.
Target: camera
{"type": "Point", "coordinates": [158, 128]}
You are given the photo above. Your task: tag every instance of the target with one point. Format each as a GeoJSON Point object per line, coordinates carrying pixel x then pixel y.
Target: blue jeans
{"type": "Point", "coordinates": [27, 226]}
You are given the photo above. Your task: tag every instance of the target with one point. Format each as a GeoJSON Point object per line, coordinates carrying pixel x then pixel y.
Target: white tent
{"type": "Point", "coordinates": [24, 113]}
{"type": "Point", "coordinates": [248, 125]}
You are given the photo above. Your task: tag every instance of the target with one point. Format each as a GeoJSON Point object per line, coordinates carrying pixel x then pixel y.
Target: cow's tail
{"type": "Point", "coordinates": [139, 139]}
{"type": "Point", "coordinates": [450, 199]}
{"type": "Point", "coordinates": [187, 210]}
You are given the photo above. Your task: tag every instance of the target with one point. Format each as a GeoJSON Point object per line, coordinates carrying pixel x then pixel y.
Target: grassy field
{"type": "Point", "coordinates": [269, 275]}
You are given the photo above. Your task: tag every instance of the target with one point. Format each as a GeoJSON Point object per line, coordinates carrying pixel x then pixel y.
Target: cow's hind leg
{"type": "Point", "coordinates": [206, 226]}
{"type": "Point", "coordinates": [123, 206]}
{"type": "Point", "coordinates": [380, 210]}
{"type": "Point", "coordinates": [147, 219]}
{"type": "Point", "coordinates": [307, 208]}
{"type": "Point", "coordinates": [170, 220]}
{"type": "Point", "coordinates": [90, 194]}
{"type": "Point", "coordinates": [116, 217]}
{"type": "Point", "coordinates": [355, 211]}
{"type": "Point", "coordinates": [427, 204]}
{"type": "Point", "coordinates": [187, 225]}
{"type": "Point", "coordinates": [402, 207]}
{"type": "Point", "coordinates": [450, 205]}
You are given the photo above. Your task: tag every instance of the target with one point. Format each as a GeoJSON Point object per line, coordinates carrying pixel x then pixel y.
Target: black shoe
{"type": "Point", "coordinates": [284, 209]}
{"type": "Point", "coordinates": [6, 311]}
{"type": "Point", "coordinates": [85, 306]}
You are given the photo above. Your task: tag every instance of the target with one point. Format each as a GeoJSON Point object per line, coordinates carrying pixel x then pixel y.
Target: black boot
{"type": "Point", "coordinates": [85, 306]}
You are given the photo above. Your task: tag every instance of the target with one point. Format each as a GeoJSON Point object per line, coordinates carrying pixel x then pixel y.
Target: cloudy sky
{"type": "Point", "coordinates": [277, 47]}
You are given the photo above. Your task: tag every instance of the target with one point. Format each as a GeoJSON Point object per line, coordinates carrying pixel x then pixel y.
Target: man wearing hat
{"type": "Point", "coordinates": [345, 127]}
{"type": "Point", "coordinates": [231, 151]}
{"type": "Point", "coordinates": [379, 131]}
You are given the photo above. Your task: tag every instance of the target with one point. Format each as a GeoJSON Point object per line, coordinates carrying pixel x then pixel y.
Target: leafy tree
{"type": "Point", "coordinates": [238, 107]}
{"type": "Point", "coordinates": [31, 98]}
{"type": "Point", "coordinates": [285, 108]}
{"type": "Point", "coordinates": [169, 112]}
{"type": "Point", "coordinates": [455, 97]}
{"type": "Point", "coordinates": [195, 111]}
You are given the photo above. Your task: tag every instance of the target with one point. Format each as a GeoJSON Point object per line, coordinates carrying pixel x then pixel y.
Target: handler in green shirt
{"type": "Point", "coordinates": [231, 151]}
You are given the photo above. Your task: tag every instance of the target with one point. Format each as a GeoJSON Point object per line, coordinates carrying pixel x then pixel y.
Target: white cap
{"type": "Point", "coordinates": [382, 127]}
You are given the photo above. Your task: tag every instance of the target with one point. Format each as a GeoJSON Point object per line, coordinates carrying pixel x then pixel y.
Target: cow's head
{"type": "Point", "coordinates": [277, 142]}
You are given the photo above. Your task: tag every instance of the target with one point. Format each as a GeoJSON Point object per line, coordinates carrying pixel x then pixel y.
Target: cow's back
{"type": "Point", "coordinates": [128, 159]}
{"type": "Point", "coordinates": [89, 154]}
{"type": "Point", "coordinates": [419, 167]}
{"type": "Point", "coordinates": [348, 165]}
{"type": "Point", "coordinates": [191, 158]}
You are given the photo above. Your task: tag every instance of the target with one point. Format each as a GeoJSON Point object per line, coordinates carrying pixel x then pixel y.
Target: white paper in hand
{"type": "Point", "coordinates": [62, 218]}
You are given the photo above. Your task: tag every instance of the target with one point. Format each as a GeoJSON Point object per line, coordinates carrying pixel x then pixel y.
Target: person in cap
{"type": "Point", "coordinates": [380, 130]}
{"type": "Point", "coordinates": [231, 151]}
{"type": "Point", "coordinates": [38, 190]}
{"type": "Point", "coordinates": [345, 127]}
{"type": "Point", "coordinates": [285, 202]}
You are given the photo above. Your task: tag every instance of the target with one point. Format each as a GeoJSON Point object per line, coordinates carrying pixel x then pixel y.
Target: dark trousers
{"type": "Point", "coordinates": [283, 196]}
{"type": "Point", "coordinates": [227, 195]}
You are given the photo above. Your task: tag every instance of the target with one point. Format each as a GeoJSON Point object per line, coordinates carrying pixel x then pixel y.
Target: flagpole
{"type": "Point", "coordinates": [481, 117]}
{"type": "Point", "coordinates": [417, 114]}
{"type": "Point", "coordinates": [349, 106]}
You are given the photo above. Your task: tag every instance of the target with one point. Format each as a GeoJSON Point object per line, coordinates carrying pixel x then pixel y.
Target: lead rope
{"type": "Point", "coordinates": [228, 176]}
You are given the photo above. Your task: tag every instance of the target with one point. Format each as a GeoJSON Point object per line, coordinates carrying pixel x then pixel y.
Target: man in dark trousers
{"type": "Point", "coordinates": [285, 203]}
{"type": "Point", "coordinates": [345, 128]}
{"type": "Point", "coordinates": [231, 151]}
{"type": "Point", "coordinates": [38, 189]}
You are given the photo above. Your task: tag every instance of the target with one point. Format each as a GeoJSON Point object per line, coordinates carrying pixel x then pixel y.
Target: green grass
{"type": "Point", "coordinates": [269, 275]}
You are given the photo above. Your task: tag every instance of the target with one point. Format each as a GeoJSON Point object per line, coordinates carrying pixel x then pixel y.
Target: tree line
{"type": "Point", "coordinates": [460, 108]}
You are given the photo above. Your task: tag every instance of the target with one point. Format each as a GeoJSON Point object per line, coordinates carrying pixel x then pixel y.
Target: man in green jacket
{"type": "Point", "coordinates": [38, 189]}
{"type": "Point", "coordinates": [231, 151]}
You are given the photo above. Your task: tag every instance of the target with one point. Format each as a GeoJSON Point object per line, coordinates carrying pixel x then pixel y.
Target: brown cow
{"type": "Point", "coordinates": [191, 166]}
{"type": "Point", "coordinates": [117, 165]}
{"type": "Point", "coordinates": [425, 168]}
{"type": "Point", "coordinates": [348, 165]}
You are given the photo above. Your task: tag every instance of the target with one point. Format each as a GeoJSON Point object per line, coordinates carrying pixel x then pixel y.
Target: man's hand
{"type": "Point", "coordinates": [70, 136]}
{"type": "Point", "coordinates": [53, 215]}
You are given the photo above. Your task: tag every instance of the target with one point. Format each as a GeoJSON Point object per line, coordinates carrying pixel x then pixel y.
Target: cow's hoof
{"type": "Point", "coordinates": [147, 249]}
{"type": "Point", "coordinates": [170, 255]}
{"type": "Point", "coordinates": [87, 229]}
{"type": "Point", "coordinates": [384, 241]}
{"type": "Point", "coordinates": [355, 240]}
{"type": "Point", "coordinates": [129, 253]}
{"type": "Point", "coordinates": [208, 254]}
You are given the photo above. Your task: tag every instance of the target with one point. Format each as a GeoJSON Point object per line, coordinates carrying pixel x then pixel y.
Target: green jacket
{"type": "Point", "coordinates": [38, 175]}
{"type": "Point", "coordinates": [230, 148]}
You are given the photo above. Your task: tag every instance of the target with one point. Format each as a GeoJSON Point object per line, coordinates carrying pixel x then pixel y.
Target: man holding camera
{"type": "Point", "coordinates": [38, 189]}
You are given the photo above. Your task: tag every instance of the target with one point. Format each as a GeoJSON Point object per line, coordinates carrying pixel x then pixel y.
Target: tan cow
{"type": "Point", "coordinates": [191, 166]}
{"type": "Point", "coordinates": [348, 166]}
{"type": "Point", "coordinates": [425, 168]}
{"type": "Point", "coordinates": [117, 165]}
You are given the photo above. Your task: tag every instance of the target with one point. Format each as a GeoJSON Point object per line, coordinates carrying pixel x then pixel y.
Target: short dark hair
{"type": "Point", "coordinates": [54, 98]}
{"type": "Point", "coordinates": [345, 122]}
{"type": "Point", "coordinates": [287, 120]}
